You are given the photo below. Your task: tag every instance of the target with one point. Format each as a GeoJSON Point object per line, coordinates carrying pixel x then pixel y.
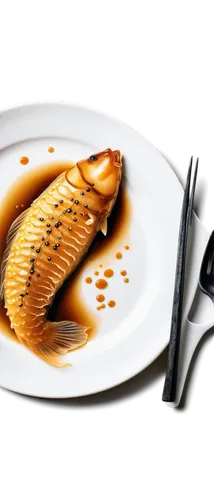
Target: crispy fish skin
{"type": "Point", "coordinates": [47, 242]}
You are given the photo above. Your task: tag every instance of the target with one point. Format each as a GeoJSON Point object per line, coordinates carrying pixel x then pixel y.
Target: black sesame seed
{"type": "Point", "coordinates": [64, 211]}
{"type": "Point", "coordinates": [71, 199]}
{"type": "Point", "coordinates": [27, 293]}
{"type": "Point", "coordinates": [47, 225]}
{"type": "Point", "coordinates": [58, 245]}
{"type": "Point", "coordinates": [56, 205]}
{"type": "Point", "coordinates": [52, 218]}
{"type": "Point", "coordinates": [29, 277]}
{"type": "Point", "coordinates": [21, 295]}
{"type": "Point", "coordinates": [47, 243]}
{"type": "Point", "coordinates": [38, 275]}
{"type": "Point", "coordinates": [75, 219]}
{"type": "Point", "coordinates": [32, 246]}
{"type": "Point", "coordinates": [32, 260]}
{"type": "Point", "coordinates": [91, 183]}
{"type": "Point", "coordinates": [48, 231]}
{"type": "Point", "coordinates": [42, 239]}
{"type": "Point", "coordinates": [55, 247]}
{"type": "Point", "coordinates": [60, 201]}
{"type": "Point", "coordinates": [70, 228]}
{"type": "Point", "coordinates": [32, 271]}
{"type": "Point", "coordinates": [77, 202]}
{"type": "Point", "coordinates": [82, 193]}
{"type": "Point", "coordinates": [74, 213]}
{"type": "Point", "coordinates": [93, 158]}
{"type": "Point", "coordinates": [20, 305]}
{"type": "Point", "coordinates": [57, 224]}
{"type": "Point", "coordinates": [49, 258]}
{"type": "Point", "coordinates": [69, 210]}
{"type": "Point", "coordinates": [81, 213]}
{"type": "Point", "coordinates": [28, 284]}
{"type": "Point", "coordinates": [88, 189]}
{"type": "Point", "coordinates": [41, 218]}
{"type": "Point", "coordinates": [86, 206]}
{"type": "Point", "coordinates": [37, 250]}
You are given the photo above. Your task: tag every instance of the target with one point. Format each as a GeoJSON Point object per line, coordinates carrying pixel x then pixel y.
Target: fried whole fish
{"type": "Point", "coordinates": [47, 242]}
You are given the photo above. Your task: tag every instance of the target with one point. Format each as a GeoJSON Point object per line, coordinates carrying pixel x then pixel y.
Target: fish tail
{"type": "Point", "coordinates": [62, 337]}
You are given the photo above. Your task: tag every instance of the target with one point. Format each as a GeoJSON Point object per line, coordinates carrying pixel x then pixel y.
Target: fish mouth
{"type": "Point", "coordinates": [117, 158]}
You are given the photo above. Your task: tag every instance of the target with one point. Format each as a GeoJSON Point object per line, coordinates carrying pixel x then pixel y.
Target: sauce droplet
{"type": "Point", "coordinates": [24, 160]}
{"type": "Point", "coordinates": [127, 247]}
{"type": "Point", "coordinates": [100, 298]}
{"type": "Point", "coordinates": [123, 272]}
{"type": "Point", "coordinates": [126, 280]}
{"type": "Point", "coordinates": [102, 306]}
{"type": "Point", "coordinates": [101, 284]}
{"type": "Point", "coordinates": [100, 265]}
{"type": "Point", "coordinates": [51, 149]}
{"type": "Point", "coordinates": [108, 273]}
{"type": "Point", "coordinates": [96, 273]}
{"type": "Point", "coordinates": [88, 280]}
{"type": "Point", "coordinates": [118, 255]}
{"type": "Point", "coordinates": [111, 303]}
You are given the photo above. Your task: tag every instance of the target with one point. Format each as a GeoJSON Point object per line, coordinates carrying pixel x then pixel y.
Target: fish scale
{"type": "Point", "coordinates": [44, 246]}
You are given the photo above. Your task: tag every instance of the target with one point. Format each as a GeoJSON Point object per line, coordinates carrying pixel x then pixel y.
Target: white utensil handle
{"type": "Point", "coordinates": [191, 336]}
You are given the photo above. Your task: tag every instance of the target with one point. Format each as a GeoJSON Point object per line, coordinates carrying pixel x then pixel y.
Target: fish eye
{"type": "Point", "coordinates": [93, 158]}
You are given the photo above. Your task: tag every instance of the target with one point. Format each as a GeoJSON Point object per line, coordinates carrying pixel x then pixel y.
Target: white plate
{"type": "Point", "coordinates": [135, 332]}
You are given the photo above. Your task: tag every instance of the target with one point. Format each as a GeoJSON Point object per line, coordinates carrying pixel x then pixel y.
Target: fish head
{"type": "Point", "coordinates": [102, 171]}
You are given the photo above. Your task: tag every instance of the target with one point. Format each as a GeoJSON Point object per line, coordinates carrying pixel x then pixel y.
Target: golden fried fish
{"type": "Point", "coordinates": [47, 242]}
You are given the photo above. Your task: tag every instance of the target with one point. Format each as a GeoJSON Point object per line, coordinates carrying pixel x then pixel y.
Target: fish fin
{"type": "Point", "coordinates": [10, 237]}
{"type": "Point", "coordinates": [104, 225]}
{"type": "Point", "coordinates": [62, 337]}
{"type": "Point", "coordinates": [91, 219]}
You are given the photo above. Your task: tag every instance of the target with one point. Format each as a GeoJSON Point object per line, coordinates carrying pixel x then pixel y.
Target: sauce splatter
{"type": "Point", "coordinates": [126, 280]}
{"type": "Point", "coordinates": [127, 247]}
{"type": "Point", "coordinates": [108, 273]}
{"type": "Point", "coordinates": [123, 272]}
{"type": "Point", "coordinates": [51, 149]}
{"type": "Point", "coordinates": [101, 284]}
{"type": "Point", "coordinates": [111, 303]}
{"type": "Point", "coordinates": [88, 280]}
{"type": "Point", "coordinates": [118, 255]}
{"type": "Point", "coordinates": [100, 298]}
{"type": "Point", "coordinates": [96, 273]}
{"type": "Point", "coordinates": [101, 307]}
{"type": "Point", "coordinates": [100, 265]}
{"type": "Point", "coordinates": [24, 160]}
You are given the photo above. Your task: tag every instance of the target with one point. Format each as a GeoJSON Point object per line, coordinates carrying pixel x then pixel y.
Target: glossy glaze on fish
{"type": "Point", "coordinates": [47, 242]}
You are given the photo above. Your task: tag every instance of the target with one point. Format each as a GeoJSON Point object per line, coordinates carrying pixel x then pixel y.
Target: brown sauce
{"type": "Point", "coordinates": [111, 303]}
{"type": "Point", "coordinates": [96, 273]}
{"type": "Point", "coordinates": [119, 255]}
{"type": "Point", "coordinates": [102, 306]}
{"type": "Point", "coordinates": [108, 273]}
{"type": "Point", "coordinates": [101, 284]}
{"type": "Point", "coordinates": [51, 149]}
{"type": "Point", "coordinates": [24, 160]}
{"type": "Point", "coordinates": [127, 247]}
{"type": "Point", "coordinates": [123, 272]}
{"type": "Point", "coordinates": [126, 280]}
{"type": "Point", "coordinates": [68, 303]}
{"type": "Point", "coordinates": [100, 298]}
{"type": "Point", "coordinates": [88, 280]}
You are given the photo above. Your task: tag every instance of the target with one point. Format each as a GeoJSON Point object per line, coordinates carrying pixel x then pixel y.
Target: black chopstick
{"type": "Point", "coordinates": [169, 390]}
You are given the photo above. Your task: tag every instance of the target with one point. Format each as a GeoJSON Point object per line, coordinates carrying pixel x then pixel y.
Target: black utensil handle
{"type": "Point", "coordinates": [170, 385]}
